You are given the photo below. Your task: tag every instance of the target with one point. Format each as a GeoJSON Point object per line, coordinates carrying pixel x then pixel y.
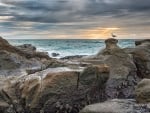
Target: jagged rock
{"type": "Point", "coordinates": [143, 91]}
{"type": "Point", "coordinates": [55, 54]}
{"type": "Point", "coordinates": [139, 42]}
{"type": "Point", "coordinates": [27, 48]}
{"type": "Point", "coordinates": [4, 45]}
{"type": "Point", "coordinates": [122, 77]}
{"type": "Point", "coordinates": [22, 58]}
{"type": "Point", "coordinates": [8, 61]}
{"type": "Point", "coordinates": [117, 106]}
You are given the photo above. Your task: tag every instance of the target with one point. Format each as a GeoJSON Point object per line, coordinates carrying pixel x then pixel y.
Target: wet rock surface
{"type": "Point", "coordinates": [73, 57]}
{"type": "Point", "coordinates": [55, 54]}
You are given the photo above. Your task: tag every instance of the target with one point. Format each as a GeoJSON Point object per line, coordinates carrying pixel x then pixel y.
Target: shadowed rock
{"type": "Point", "coordinates": [141, 55]}
{"type": "Point", "coordinates": [139, 42]}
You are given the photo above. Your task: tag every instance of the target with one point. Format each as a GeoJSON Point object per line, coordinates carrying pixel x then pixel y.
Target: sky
{"type": "Point", "coordinates": [74, 19]}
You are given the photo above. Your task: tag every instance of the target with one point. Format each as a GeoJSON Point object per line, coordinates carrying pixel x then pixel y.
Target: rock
{"type": "Point", "coordinates": [8, 61]}
{"type": "Point", "coordinates": [111, 43]}
{"type": "Point", "coordinates": [55, 54]}
{"type": "Point", "coordinates": [3, 42]}
{"type": "Point", "coordinates": [122, 76]}
{"type": "Point", "coordinates": [41, 92]}
{"type": "Point", "coordinates": [4, 45]}
{"type": "Point", "coordinates": [72, 57]}
{"type": "Point", "coordinates": [112, 73]}
{"type": "Point", "coordinates": [21, 58]}
{"type": "Point", "coordinates": [94, 79]}
{"type": "Point", "coordinates": [111, 46]}
{"type": "Point", "coordinates": [27, 48]}
{"type": "Point", "coordinates": [93, 74]}
{"type": "Point", "coordinates": [117, 106]}
{"type": "Point", "coordinates": [143, 91]}
{"type": "Point", "coordinates": [139, 42]}
{"type": "Point", "coordinates": [141, 55]}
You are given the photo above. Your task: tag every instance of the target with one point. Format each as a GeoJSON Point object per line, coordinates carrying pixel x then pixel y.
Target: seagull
{"type": "Point", "coordinates": [113, 35]}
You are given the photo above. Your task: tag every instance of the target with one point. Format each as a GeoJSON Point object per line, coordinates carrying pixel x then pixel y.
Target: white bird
{"type": "Point", "coordinates": [113, 35]}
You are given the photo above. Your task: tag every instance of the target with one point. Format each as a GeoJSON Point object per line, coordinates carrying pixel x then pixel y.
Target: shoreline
{"type": "Point", "coordinates": [72, 48]}
{"type": "Point", "coordinates": [39, 83]}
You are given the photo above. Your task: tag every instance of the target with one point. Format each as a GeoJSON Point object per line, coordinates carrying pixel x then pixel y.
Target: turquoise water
{"type": "Point", "coordinates": [69, 47]}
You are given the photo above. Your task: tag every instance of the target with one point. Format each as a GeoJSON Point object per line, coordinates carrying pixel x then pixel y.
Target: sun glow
{"type": "Point", "coordinates": [97, 33]}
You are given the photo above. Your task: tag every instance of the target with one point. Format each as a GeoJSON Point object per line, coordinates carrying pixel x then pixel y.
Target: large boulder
{"type": "Point", "coordinates": [141, 55]}
{"type": "Point", "coordinates": [94, 79]}
{"type": "Point", "coordinates": [122, 76]}
{"type": "Point", "coordinates": [95, 73]}
{"type": "Point", "coordinates": [42, 92]}
{"type": "Point", "coordinates": [143, 91]}
{"type": "Point", "coordinates": [117, 106]}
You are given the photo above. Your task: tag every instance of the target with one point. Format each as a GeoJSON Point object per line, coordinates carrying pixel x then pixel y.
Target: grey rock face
{"type": "Point", "coordinates": [143, 91]}
{"type": "Point", "coordinates": [122, 76]}
{"type": "Point", "coordinates": [21, 58]}
{"type": "Point", "coordinates": [27, 48]}
{"type": "Point", "coordinates": [141, 56]}
{"type": "Point", "coordinates": [117, 106]}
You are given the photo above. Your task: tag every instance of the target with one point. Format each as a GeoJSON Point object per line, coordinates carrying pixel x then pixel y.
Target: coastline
{"type": "Point", "coordinates": [38, 83]}
{"type": "Point", "coordinates": [69, 47]}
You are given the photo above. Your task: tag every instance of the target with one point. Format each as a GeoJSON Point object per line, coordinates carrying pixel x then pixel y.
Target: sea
{"type": "Point", "coordinates": [70, 47]}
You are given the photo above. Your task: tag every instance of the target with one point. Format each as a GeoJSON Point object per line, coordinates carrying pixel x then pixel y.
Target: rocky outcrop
{"type": "Point", "coordinates": [27, 48]}
{"type": "Point", "coordinates": [55, 54]}
{"type": "Point", "coordinates": [33, 91]}
{"type": "Point", "coordinates": [112, 73]}
{"type": "Point", "coordinates": [127, 67]}
{"type": "Point", "coordinates": [117, 106]}
{"type": "Point", "coordinates": [122, 76]}
{"type": "Point", "coordinates": [23, 59]}
{"type": "Point", "coordinates": [111, 46]}
{"type": "Point", "coordinates": [4, 45]}
{"type": "Point", "coordinates": [139, 42]}
{"type": "Point", "coordinates": [94, 79]}
{"type": "Point", "coordinates": [141, 55]}
{"type": "Point", "coordinates": [143, 91]}
{"type": "Point", "coordinates": [97, 73]}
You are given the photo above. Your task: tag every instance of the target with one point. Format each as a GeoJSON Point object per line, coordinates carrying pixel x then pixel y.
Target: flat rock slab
{"type": "Point", "coordinates": [117, 106]}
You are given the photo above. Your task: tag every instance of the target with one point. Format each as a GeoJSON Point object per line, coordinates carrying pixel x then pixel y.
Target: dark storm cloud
{"type": "Point", "coordinates": [53, 11]}
{"type": "Point", "coordinates": [76, 14]}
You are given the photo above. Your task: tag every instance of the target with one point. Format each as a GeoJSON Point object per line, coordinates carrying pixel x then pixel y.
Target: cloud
{"type": "Point", "coordinates": [73, 16]}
